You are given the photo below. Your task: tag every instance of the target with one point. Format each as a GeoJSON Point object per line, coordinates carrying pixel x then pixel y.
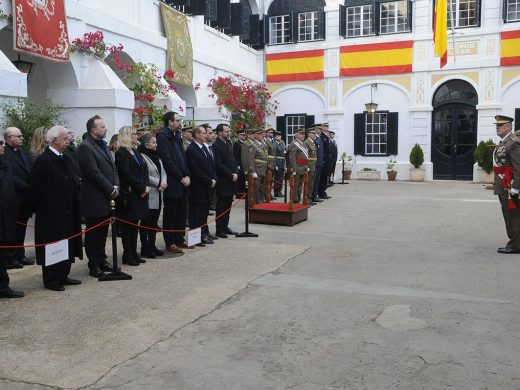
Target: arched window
{"type": "Point", "coordinates": [455, 91]}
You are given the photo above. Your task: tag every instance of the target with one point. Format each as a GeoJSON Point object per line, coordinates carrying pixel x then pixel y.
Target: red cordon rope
{"type": "Point", "coordinates": [105, 222]}
{"type": "Point", "coordinates": [109, 220]}
{"type": "Point", "coordinates": [181, 231]}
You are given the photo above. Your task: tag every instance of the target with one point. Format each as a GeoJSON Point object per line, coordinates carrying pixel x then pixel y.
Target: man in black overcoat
{"type": "Point", "coordinates": [54, 195]}
{"type": "Point", "coordinates": [334, 156]}
{"type": "Point", "coordinates": [21, 162]}
{"type": "Point", "coordinates": [327, 162]}
{"type": "Point", "coordinates": [171, 152]}
{"type": "Point", "coordinates": [99, 185]}
{"type": "Point", "coordinates": [227, 174]}
{"type": "Point", "coordinates": [237, 153]}
{"type": "Point", "coordinates": [203, 179]}
{"type": "Point", "coordinates": [7, 221]}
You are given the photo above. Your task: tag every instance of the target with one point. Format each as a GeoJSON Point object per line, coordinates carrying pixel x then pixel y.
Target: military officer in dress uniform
{"type": "Point", "coordinates": [256, 163]}
{"type": "Point", "coordinates": [298, 162]}
{"type": "Point", "coordinates": [506, 166]}
{"type": "Point", "coordinates": [187, 137]}
{"type": "Point", "coordinates": [271, 152]}
{"type": "Point", "coordinates": [311, 147]}
{"type": "Point", "coordinates": [279, 146]}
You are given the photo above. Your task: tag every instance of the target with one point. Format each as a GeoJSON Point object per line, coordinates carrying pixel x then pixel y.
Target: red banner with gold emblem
{"type": "Point", "coordinates": [40, 27]}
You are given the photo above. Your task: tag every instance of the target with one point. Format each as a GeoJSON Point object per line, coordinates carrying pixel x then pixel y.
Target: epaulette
{"type": "Point", "coordinates": [516, 136]}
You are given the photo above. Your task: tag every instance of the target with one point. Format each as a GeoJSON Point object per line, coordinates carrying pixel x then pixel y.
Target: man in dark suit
{"type": "Point", "coordinates": [7, 221]}
{"type": "Point", "coordinates": [99, 185]}
{"type": "Point", "coordinates": [227, 174]}
{"type": "Point", "coordinates": [171, 152]}
{"type": "Point", "coordinates": [327, 161]}
{"type": "Point", "coordinates": [319, 164]}
{"type": "Point", "coordinates": [54, 193]}
{"type": "Point", "coordinates": [334, 157]}
{"type": "Point", "coordinates": [21, 162]}
{"type": "Point", "coordinates": [203, 176]}
{"type": "Point", "coordinates": [237, 154]}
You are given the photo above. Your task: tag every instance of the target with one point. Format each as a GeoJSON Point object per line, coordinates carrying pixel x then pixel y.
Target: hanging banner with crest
{"type": "Point", "coordinates": [40, 28]}
{"type": "Point", "coordinates": [180, 51]}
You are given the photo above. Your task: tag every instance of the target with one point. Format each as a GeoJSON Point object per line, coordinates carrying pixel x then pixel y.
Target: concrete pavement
{"type": "Point", "coordinates": [387, 286]}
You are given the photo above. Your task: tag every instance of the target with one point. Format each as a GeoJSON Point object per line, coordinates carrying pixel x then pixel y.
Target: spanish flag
{"type": "Point", "coordinates": [510, 48]}
{"type": "Point", "coordinates": [295, 66]}
{"type": "Point", "coordinates": [376, 58]}
{"type": "Point", "coordinates": [440, 30]}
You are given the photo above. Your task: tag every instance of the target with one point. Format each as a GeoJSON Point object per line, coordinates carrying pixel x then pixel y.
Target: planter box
{"type": "Point", "coordinates": [416, 174]}
{"type": "Point", "coordinates": [368, 175]}
{"type": "Point", "coordinates": [484, 177]}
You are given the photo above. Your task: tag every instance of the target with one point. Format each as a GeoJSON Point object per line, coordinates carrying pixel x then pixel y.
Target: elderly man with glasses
{"type": "Point", "coordinates": [22, 165]}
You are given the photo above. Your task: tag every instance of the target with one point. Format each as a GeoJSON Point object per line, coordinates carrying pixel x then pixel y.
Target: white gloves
{"type": "Point", "coordinates": [514, 191]}
{"type": "Point", "coordinates": [255, 176]}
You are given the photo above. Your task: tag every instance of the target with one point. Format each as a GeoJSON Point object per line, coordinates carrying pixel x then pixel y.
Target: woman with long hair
{"type": "Point", "coordinates": [132, 202]}
{"type": "Point", "coordinates": [38, 142]}
{"type": "Point", "coordinates": [157, 179]}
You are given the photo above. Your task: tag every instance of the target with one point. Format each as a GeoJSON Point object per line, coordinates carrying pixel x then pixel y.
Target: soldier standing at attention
{"type": "Point", "coordinates": [257, 159]}
{"type": "Point", "coordinates": [311, 147]}
{"type": "Point", "coordinates": [298, 162]}
{"type": "Point", "coordinates": [271, 153]}
{"type": "Point", "coordinates": [506, 166]}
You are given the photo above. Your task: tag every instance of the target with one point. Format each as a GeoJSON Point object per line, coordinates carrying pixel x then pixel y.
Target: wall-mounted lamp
{"type": "Point", "coordinates": [23, 66]}
{"type": "Point", "coordinates": [371, 107]}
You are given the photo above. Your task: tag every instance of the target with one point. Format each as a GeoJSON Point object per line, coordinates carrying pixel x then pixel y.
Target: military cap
{"type": "Point", "coordinates": [311, 131]}
{"type": "Point", "coordinates": [325, 124]}
{"type": "Point", "coordinates": [259, 131]}
{"type": "Point", "coordinates": [205, 125]}
{"type": "Point", "coordinates": [276, 132]}
{"type": "Point", "coordinates": [299, 131]}
{"type": "Point", "coordinates": [188, 128]}
{"type": "Point", "coordinates": [243, 131]}
{"type": "Point", "coordinates": [330, 131]}
{"type": "Point", "coordinates": [502, 119]}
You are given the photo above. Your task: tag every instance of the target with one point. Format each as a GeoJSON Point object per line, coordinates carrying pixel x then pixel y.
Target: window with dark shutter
{"type": "Point", "coordinates": [516, 125]}
{"type": "Point", "coordinates": [224, 14]}
{"type": "Point", "coordinates": [376, 134]}
{"type": "Point", "coordinates": [359, 134]}
{"type": "Point", "coordinates": [236, 18]}
{"type": "Point", "coordinates": [392, 131]}
{"type": "Point", "coordinates": [280, 126]}
{"type": "Point", "coordinates": [342, 20]}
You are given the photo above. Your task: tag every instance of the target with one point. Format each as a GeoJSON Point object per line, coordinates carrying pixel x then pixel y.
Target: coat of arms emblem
{"type": "Point", "coordinates": [45, 6]}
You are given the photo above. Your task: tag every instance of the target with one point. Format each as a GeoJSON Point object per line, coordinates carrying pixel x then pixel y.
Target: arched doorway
{"type": "Point", "coordinates": [454, 130]}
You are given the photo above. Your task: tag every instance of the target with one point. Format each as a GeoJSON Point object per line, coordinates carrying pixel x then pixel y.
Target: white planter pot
{"type": "Point", "coordinates": [368, 175]}
{"type": "Point", "coordinates": [416, 174]}
{"type": "Point", "coordinates": [485, 177]}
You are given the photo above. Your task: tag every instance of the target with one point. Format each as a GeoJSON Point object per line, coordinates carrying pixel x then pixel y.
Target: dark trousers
{"type": "Point", "coordinates": [174, 218]}
{"type": "Point", "coordinates": [324, 179]}
{"type": "Point", "coordinates": [223, 210]}
{"type": "Point", "coordinates": [241, 182]}
{"type": "Point", "coordinates": [18, 253]}
{"type": "Point", "coordinates": [512, 221]}
{"type": "Point", "coordinates": [57, 273]}
{"type": "Point", "coordinates": [147, 235]}
{"type": "Point", "coordinates": [95, 241]}
{"type": "Point", "coordinates": [316, 186]}
{"type": "Point", "coordinates": [278, 181]}
{"type": "Point", "coordinates": [199, 216]}
{"type": "Point", "coordinates": [129, 240]}
{"type": "Point", "coordinates": [4, 277]}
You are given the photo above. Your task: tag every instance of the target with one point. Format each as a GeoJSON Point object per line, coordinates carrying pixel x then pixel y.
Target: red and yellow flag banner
{"type": "Point", "coordinates": [295, 66]}
{"type": "Point", "coordinates": [440, 30]}
{"type": "Point", "coordinates": [376, 58]}
{"type": "Point", "coordinates": [510, 48]}
{"type": "Point", "coordinates": [40, 27]}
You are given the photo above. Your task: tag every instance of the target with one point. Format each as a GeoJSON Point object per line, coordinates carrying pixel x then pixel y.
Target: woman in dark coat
{"type": "Point", "coordinates": [7, 221]}
{"type": "Point", "coordinates": [54, 195]}
{"type": "Point", "coordinates": [132, 202]}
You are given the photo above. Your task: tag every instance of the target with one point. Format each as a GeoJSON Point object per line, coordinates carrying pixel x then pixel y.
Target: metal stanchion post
{"type": "Point", "coordinates": [247, 233]}
{"type": "Point", "coordinates": [285, 190]}
{"type": "Point", "coordinates": [116, 274]}
{"type": "Point", "coordinates": [342, 172]}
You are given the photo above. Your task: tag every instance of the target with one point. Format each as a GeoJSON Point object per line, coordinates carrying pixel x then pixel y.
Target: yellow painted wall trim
{"type": "Point", "coordinates": [509, 75]}
{"type": "Point", "coordinates": [470, 75]}
{"type": "Point", "coordinates": [404, 81]}
{"type": "Point", "coordinates": [317, 85]}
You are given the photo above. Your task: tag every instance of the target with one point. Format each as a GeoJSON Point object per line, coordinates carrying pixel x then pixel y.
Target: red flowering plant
{"type": "Point", "coordinates": [248, 102]}
{"type": "Point", "coordinates": [93, 44]}
{"type": "Point", "coordinates": [3, 15]}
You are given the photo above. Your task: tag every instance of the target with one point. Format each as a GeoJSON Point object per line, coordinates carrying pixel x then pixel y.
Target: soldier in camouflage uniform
{"type": "Point", "coordinates": [279, 146]}
{"type": "Point", "coordinates": [298, 162]}
{"type": "Point", "coordinates": [271, 152]}
{"type": "Point", "coordinates": [256, 162]}
{"type": "Point", "coordinates": [506, 166]}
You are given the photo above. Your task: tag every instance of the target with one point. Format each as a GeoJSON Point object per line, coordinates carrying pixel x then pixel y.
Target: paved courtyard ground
{"type": "Point", "coordinates": [386, 286]}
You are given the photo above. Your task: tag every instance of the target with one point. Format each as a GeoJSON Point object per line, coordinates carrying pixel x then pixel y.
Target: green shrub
{"type": "Point", "coordinates": [416, 156]}
{"type": "Point", "coordinates": [28, 116]}
{"type": "Point", "coordinates": [483, 155]}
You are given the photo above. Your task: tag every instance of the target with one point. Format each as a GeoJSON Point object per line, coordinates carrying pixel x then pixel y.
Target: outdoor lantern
{"type": "Point", "coordinates": [371, 107]}
{"type": "Point", "coordinates": [23, 66]}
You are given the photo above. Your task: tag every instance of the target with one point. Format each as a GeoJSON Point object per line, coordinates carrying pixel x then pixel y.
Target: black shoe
{"type": "Point", "coordinates": [324, 197]}
{"type": "Point", "coordinates": [70, 282]}
{"type": "Point", "coordinates": [96, 272]}
{"type": "Point", "coordinates": [229, 231]}
{"type": "Point", "coordinates": [130, 261]}
{"type": "Point", "coordinates": [140, 260]}
{"type": "Point", "coordinates": [26, 261]}
{"type": "Point", "coordinates": [9, 293]}
{"type": "Point", "coordinates": [206, 240]}
{"type": "Point", "coordinates": [13, 265]}
{"type": "Point", "coordinates": [149, 254]}
{"type": "Point", "coordinates": [313, 203]}
{"type": "Point", "coordinates": [221, 235]}
{"type": "Point", "coordinates": [278, 194]}
{"type": "Point", "coordinates": [157, 252]}
{"type": "Point", "coordinates": [106, 266]}
{"type": "Point", "coordinates": [55, 287]}
{"type": "Point", "coordinates": [200, 244]}
{"type": "Point", "coordinates": [211, 236]}
{"type": "Point", "coordinates": [508, 250]}
{"type": "Point", "coordinates": [317, 200]}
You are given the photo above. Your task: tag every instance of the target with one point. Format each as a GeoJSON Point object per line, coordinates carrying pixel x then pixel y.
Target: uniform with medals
{"type": "Point", "coordinates": [298, 162]}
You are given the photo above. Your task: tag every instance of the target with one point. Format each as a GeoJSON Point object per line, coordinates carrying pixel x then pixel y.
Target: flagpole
{"type": "Point", "coordinates": [452, 30]}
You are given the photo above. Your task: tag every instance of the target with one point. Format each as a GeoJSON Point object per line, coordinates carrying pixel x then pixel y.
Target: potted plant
{"type": "Point", "coordinates": [483, 156]}
{"type": "Point", "coordinates": [390, 172]}
{"type": "Point", "coordinates": [416, 159]}
{"type": "Point", "coordinates": [348, 163]}
{"type": "Point", "coordinates": [368, 174]}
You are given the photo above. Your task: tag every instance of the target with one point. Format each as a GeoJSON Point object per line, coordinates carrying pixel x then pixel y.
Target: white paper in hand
{"type": "Point", "coordinates": [193, 237]}
{"type": "Point", "coordinates": [55, 253]}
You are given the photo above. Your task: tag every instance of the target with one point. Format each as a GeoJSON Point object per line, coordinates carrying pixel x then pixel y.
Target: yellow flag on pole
{"type": "Point", "coordinates": [440, 30]}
